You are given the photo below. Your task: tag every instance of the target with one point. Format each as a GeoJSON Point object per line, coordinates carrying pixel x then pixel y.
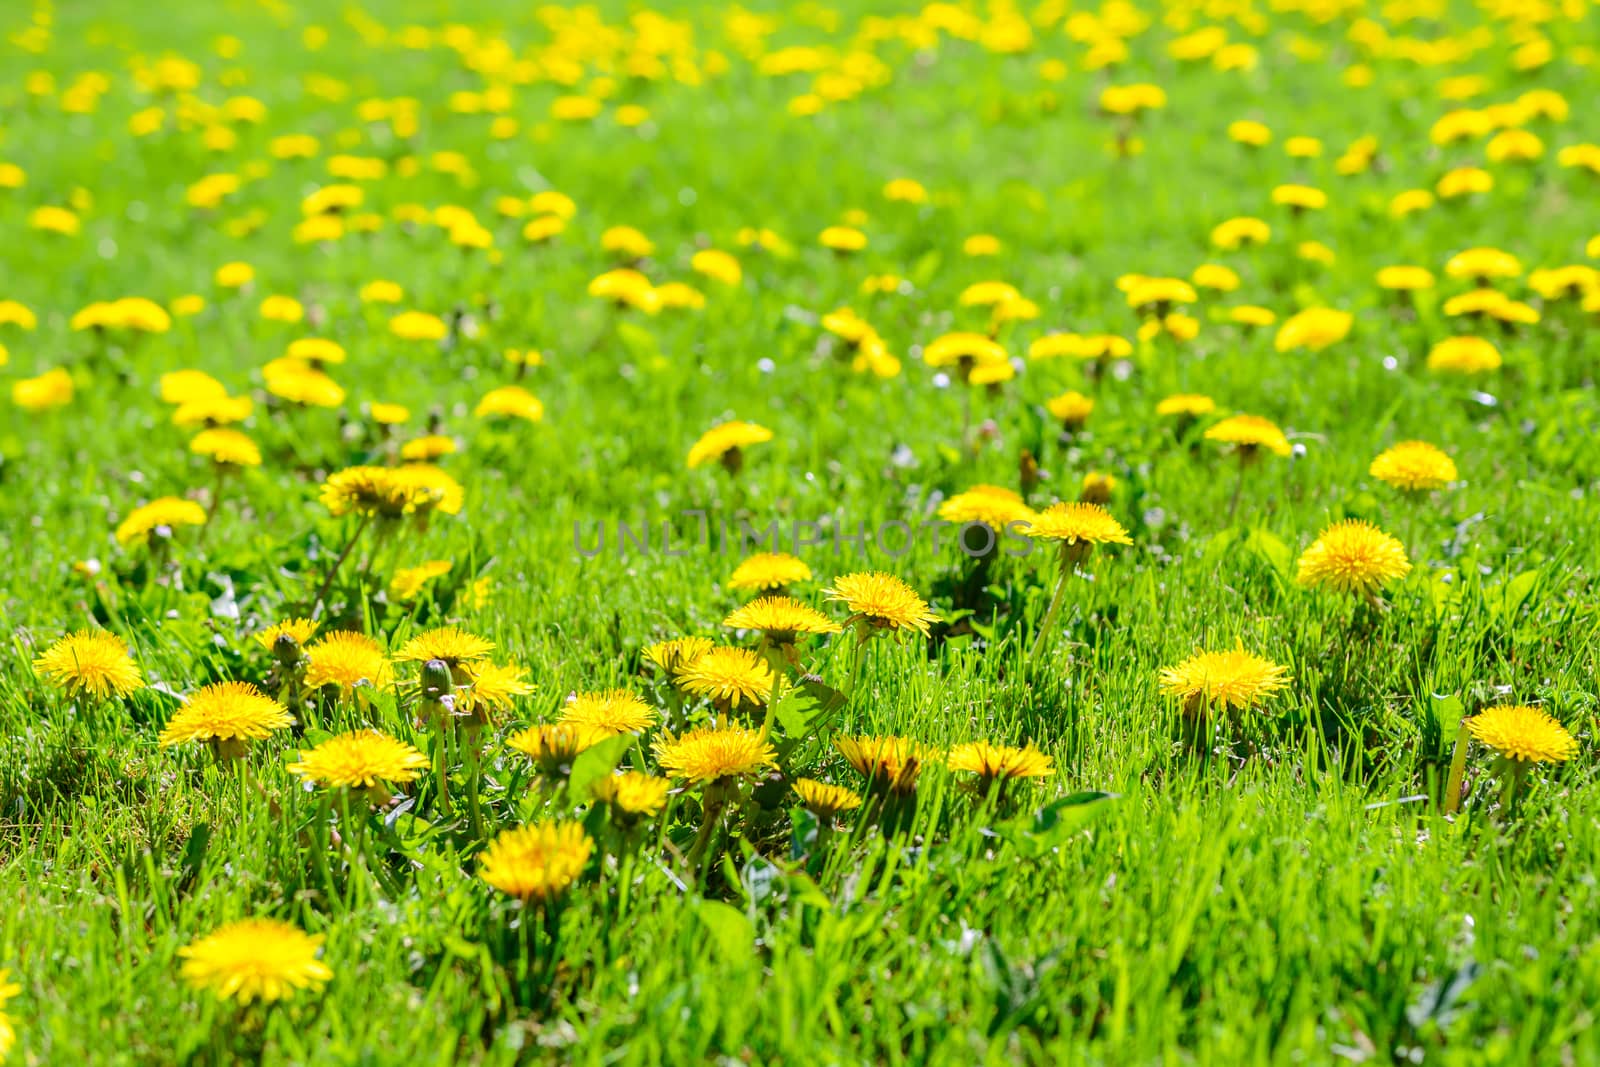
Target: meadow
{"type": "Point", "coordinates": [799, 532]}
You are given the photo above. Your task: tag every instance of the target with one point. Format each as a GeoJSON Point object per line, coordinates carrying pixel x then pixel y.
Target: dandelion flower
{"type": "Point", "coordinates": [1413, 466]}
{"type": "Point", "coordinates": [1523, 734]}
{"type": "Point", "coordinates": [226, 448]}
{"type": "Point", "coordinates": [8, 1036]}
{"type": "Point", "coordinates": [632, 795]}
{"type": "Point", "coordinates": [1071, 408]}
{"type": "Point", "coordinates": [511, 401]}
{"type": "Point", "coordinates": [1464, 355]}
{"type": "Point", "coordinates": [408, 582]}
{"type": "Point", "coordinates": [727, 677]}
{"type": "Point", "coordinates": [360, 759]}
{"type": "Point", "coordinates": [182, 386]}
{"type": "Point", "coordinates": [780, 619]}
{"type": "Point", "coordinates": [995, 506]}
{"type": "Point", "coordinates": [1249, 433]}
{"type": "Point", "coordinates": [889, 764]}
{"type": "Point", "coordinates": [1187, 405]}
{"type": "Point", "coordinates": [1231, 679]}
{"type": "Point", "coordinates": [825, 801]}
{"type": "Point", "coordinates": [493, 686]}
{"type": "Point", "coordinates": [255, 960]}
{"type": "Point", "coordinates": [553, 746]}
{"type": "Point", "coordinates": [164, 514]}
{"type": "Point", "coordinates": [536, 863]}
{"type": "Point", "coordinates": [726, 442]}
{"type": "Point", "coordinates": [769, 571]}
{"type": "Point", "coordinates": [451, 644]}
{"type": "Point", "coordinates": [615, 711]}
{"type": "Point", "coordinates": [992, 763]}
{"type": "Point", "coordinates": [1313, 329]}
{"type": "Point", "coordinates": [348, 660]}
{"type": "Point", "coordinates": [709, 754]}
{"type": "Point", "coordinates": [225, 715]}
{"type": "Point", "coordinates": [429, 448]}
{"type": "Point", "coordinates": [90, 663]}
{"type": "Point", "coordinates": [882, 601]}
{"type": "Point", "coordinates": [299, 630]}
{"type": "Point", "coordinates": [673, 655]}
{"type": "Point", "coordinates": [1353, 557]}
{"type": "Point", "coordinates": [1077, 523]}
{"type": "Point", "coordinates": [52, 389]}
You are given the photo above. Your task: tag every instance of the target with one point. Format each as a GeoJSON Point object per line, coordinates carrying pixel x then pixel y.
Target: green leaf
{"type": "Point", "coordinates": [923, 270]}
{"type": "Point", "coordinates": [1447, 712]}
{"type": "Point", "coordinates": [596, 762]}
{"type": "Point", "coordinates": [802, 709]}
{"type": "Point", "coordinates": [1052, 825]}
{"type": "Point", "coordinates": [730, 931]}
{"type": "Point", "coordinates": [1271, 550]}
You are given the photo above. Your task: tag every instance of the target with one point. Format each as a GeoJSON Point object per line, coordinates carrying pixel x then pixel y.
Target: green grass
{"type": "Point", "coordinates": [1291, 891]}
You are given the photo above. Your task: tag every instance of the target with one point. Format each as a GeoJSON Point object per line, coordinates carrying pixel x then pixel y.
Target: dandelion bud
{"type": "Point", "coordinates": [437, 684]}
{"type": "Point", "coordinates": [286, 650]}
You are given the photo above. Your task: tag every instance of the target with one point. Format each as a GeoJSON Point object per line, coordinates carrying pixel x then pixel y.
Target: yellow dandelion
{"type": "Point", "coordinates": [1231, 679]}
{"type": "Point", "coordinates": [553, 746]}
{"type": "Point", "coordinates": [1464, 355]}
{"type": "Point", "coordinates": [992, 763]}
{"type": "Point", "coordinates": [536, 863]}
{"type": "Point", "coordinates": [673, 655]}
{"type": "Point", "coordinates": [882, 601]}
{"type": "Point", "coordinates": [1413, 466]}
{"type": "Point", "coordinates": [1078, 523]}
{"type": "Point", "coordinates": [493, 686]}
{"type": "Point", "coordinates": [182, 386]}
{"type": "Point", "coordinates": [768, 571]}
{"type": "Point", "coordinates": [995, 506]}
{"type": "Point", "coordinates": [408, 582]}
{"type": "Point", "coordinates": [511, 401]}
{"type": "Point", "coordinates": [727, 677]}
{"type": "Point", "coordinates": [615, 711]}
{"type": "Point", "coordinates": [1071, 408]}
{"type": "Point", "coordinates": [889, 764]}
{"type": "Point", "coordinates": [360, 759]}
{"type": "Point", "coordinates": [1353, 556]}
{"type": "Point", "coordinates": [255, 960]}
{"type": "Point", "coordinates": [825, 801]}
{"type": "Point", "coordinates": [225, 714]}
{"type": "Point", "coordinates": [451, 644]}
{"type": "Point", "coordinates": [298, 630]}
{"type": "Point", "coordinates": [90, 663]}
{"type": "Point", "coordinates": [426, 449]}
{"type": "Point", "coordinates": [1523, 734]}
{"type": "Point", "coordinates": [159, 516]}
{"type": "Point", "coordinates": [709, 754]}
{"type": "Point", "coordinates": [1250, 433]}
{"type": "Point", "coordinates": [726, 443]}
{"type": "Point", "coordinates": [632, 795]}
{"type": "Point", "coordinates": [781, 619]}
{"type": "Point", "coordinates": [226, 448]}
{"type": "Point", "coordinates": [348, 660]}
{"type": "Point", "coordinates": [1186, 405]}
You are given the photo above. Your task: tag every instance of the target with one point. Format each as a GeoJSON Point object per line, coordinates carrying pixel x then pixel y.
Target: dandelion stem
{"type": "Point", "coordinates": [1238, 490]}
{"type": "Point", "coordinates": [776, 663]}
{"type": "Point", "coordinates": [441, 757]}
{"type": "Point", "coordinates": [344, 554]}
{"type": "Point", "coordinates": [855, 663]}
{"type": "Point", "coordinates": [1458, 769]}
{"type": "Point", "coordinates": [711, 813]}
{"type": "Point", "coordinates": [1050, 613]}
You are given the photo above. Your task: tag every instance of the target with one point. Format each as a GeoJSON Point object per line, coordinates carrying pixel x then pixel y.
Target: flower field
{"type": "Point", "coordinates": [986, 532]}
